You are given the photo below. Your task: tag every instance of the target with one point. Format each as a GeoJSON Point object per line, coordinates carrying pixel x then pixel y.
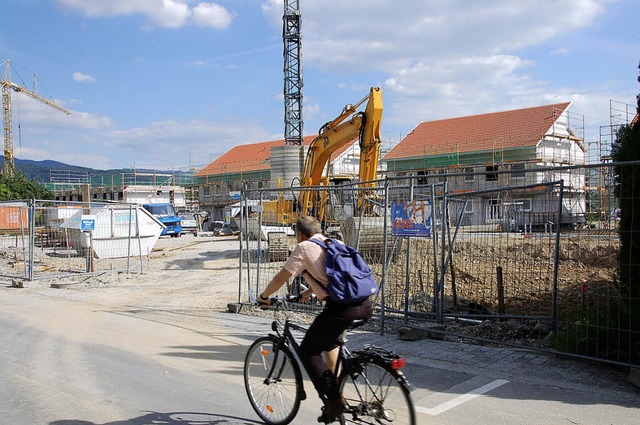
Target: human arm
{"type": "Point", "coordinates": [278, 280]}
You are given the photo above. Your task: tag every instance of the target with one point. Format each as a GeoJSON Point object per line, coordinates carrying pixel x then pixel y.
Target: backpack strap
{"type": "Point", "coordinates": [323, 245]}
{"type": "Point", "coordinates": [318, 242]}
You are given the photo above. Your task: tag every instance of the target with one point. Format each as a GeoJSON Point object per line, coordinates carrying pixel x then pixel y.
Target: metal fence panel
{"type": "Point", "coordinates": [525, 257]}
{"type": "Point", "coordinates": [45, 239]}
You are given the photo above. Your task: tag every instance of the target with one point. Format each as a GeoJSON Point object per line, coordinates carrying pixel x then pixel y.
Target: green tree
{"type": "Point", "coordinates": [626, 149]}
{"type": "Point", "coordinates": [18, 187]}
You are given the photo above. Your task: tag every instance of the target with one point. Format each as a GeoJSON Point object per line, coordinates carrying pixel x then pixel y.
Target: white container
{"type": "Point", "coordinates": [119, 231]}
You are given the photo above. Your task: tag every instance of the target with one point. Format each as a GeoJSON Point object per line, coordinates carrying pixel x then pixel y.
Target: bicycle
{"type": "Point", "coordinates": [370, 380]}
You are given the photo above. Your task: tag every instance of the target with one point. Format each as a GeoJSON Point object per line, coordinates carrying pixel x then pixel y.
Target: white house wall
{"type": "Point", "coordinates": [156, 194]}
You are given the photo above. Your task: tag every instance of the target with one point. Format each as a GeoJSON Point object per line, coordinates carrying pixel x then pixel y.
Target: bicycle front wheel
{"type": "Point", "coordinates": [273, 381]}
{"type": "Point", "coordinates": [377, 395]}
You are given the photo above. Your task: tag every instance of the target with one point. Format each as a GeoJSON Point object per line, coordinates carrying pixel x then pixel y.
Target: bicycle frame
{"type": "Point", "coordinates": [286, 337]}
{"type": "Point", "coordinates": [364, 398]}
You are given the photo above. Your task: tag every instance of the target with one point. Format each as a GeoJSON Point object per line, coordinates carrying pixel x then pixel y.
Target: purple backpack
{"type": "Point", "coordinates": [350, 278]}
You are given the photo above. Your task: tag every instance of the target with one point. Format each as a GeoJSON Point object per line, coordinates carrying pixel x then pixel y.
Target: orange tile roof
{"type": "Point", "coordinates": [250, 157]}
{"type": "Point", "coordinates": [497, 130]}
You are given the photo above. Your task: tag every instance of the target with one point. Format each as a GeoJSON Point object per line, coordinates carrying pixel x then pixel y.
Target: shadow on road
{"type": "Point", "coordinates": [170, 418]}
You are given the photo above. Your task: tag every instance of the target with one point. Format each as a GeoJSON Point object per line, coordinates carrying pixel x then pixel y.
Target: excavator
{"type": "Point", "coordinates": [351, 124]}
{"type": "Point", "coordinates": [335, 134]}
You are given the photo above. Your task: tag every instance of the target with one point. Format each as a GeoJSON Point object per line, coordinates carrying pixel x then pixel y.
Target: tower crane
{"type": "Point", "coordinates": [7, 87]}
{"type": "Point", "coordinates": [291, 23]}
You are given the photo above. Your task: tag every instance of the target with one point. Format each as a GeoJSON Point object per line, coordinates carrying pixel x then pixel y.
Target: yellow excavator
{"type": "Point", "coordinates": [350, 125]}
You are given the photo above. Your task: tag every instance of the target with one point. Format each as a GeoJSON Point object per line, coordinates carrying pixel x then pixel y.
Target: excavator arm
{"type": "Point", "coordinates": [337, 133]}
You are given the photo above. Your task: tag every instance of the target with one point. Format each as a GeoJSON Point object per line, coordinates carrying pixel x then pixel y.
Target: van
{"type": "Point", "coordinates": [166, 214]}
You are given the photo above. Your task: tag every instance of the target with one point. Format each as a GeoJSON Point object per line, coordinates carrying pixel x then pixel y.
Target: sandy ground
{"type": "Point", "coordinates": [180, 273]}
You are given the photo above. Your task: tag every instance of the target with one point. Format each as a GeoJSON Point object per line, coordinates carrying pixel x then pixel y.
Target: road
{"type": "Point", "coordinates": [68, 362]}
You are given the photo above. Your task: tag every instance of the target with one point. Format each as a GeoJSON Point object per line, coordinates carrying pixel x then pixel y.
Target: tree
{"type": "Point", "coordinates": [18, 187]}
{"type": "Point", "coordinates": [625, 150]}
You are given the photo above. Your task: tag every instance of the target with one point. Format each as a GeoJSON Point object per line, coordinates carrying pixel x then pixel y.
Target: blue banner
{"type": "Point", "coordinates": [411, 219]}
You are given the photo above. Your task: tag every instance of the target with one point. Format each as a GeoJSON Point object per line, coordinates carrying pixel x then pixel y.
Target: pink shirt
{"type": "Point", "coordinates": [310, 256]}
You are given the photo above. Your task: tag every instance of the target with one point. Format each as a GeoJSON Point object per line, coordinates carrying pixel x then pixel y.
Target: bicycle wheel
{"type": "Point", "coordinates": [377, 395]}
{"type": "Point", "coordinates": [273, 381]}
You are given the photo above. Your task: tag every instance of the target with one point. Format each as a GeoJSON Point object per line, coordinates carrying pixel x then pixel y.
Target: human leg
{"type": "Point", "coordinates": [322, 336]}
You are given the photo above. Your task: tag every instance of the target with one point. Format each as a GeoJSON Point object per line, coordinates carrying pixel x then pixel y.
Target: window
{"type": "Point", "coordinates": [422, 177]}
{"type": "Point", "coordinates": [468, 208]}
{"type": "Point", "coordinates": [492, 176]}
{"type": "Point", "coordinates": [469, 176]}
{"type": "Point", "coordinates": [494, 208]}
{"type": "Point", "coordinates": [526, 204]}
{"type": "Point", "coordinates": [518, 171]}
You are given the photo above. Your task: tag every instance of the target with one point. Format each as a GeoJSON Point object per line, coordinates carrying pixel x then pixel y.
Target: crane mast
{"type": "Point", "coordinates": [291, 22]}
{"type": "Point", "coordinates": [7, 117]}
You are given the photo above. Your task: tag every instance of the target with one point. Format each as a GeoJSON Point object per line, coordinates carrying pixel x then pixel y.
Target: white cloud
{"type": "Point", "coordinates": [83, 78]}
{"type": "Point", "coordinates": [172, 14]}
{"type": "Point", "coordinates": [212, 15]}
{"type": "Point", "coordinates": [205, 138]}
{"type": "Point", "coordinates": [446, 59]}
{"type": "Point", "coordinates": [421, 30]}
{"type": "Point", "coordinates": [159, 13]}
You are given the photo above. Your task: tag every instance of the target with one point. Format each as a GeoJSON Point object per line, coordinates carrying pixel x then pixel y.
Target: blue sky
{"type": "Point", "coordinates": [172, 84]}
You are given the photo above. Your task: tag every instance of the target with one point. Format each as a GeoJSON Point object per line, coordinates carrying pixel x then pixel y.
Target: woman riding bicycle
{"type": "Point", "coordinates": [308, 259]}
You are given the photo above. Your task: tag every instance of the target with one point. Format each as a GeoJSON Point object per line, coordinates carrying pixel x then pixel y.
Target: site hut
{"type": "Point", "coordinates": [500, 150]}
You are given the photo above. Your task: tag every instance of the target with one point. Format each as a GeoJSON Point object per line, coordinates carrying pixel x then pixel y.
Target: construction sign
{"type": "Point", "coordinates": [411, 219]}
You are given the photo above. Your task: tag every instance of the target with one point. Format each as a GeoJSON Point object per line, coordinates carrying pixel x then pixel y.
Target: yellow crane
{"type": "Point", "coordinates": [7, 87]}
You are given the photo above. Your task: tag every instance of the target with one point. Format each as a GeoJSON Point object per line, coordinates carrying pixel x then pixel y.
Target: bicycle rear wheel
{"type": "Point", "coordinates": [273, 381]}
{"type": "Point", "coordinates": [377, 395]}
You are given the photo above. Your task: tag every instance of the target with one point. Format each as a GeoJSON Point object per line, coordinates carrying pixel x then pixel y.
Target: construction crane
{"type": "Point", "coordinates": [291, 22]}
{"type": "Point", "coordinates": [7, 87]}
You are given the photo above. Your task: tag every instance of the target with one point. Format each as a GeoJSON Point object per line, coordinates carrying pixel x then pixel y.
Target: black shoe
{"type": "Point", "coordinates": [332, 411]}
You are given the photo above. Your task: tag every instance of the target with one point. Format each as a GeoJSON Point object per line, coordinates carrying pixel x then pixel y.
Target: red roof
{"type": "Point", "coordinates": [251, 157]}
{"type": "Point", "coordinates": [497, 130]}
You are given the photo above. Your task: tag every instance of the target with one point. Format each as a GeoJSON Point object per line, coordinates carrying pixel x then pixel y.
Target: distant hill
{"type": "Point", "coordinates": [40, 171]}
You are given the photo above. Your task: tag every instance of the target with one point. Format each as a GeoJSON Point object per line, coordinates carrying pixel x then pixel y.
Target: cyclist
{"type": "Point", "coordinates": [308, 259]}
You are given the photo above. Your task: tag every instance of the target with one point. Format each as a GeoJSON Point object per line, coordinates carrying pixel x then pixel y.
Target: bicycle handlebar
{"type": "Point", "coordinates": [276, 300]}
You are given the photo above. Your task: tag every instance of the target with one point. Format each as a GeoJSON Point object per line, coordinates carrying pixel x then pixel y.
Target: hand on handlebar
{"type": "Point", "coordinates": [264, 303]}
{"type": "Point", "coordinates": [306, 295]}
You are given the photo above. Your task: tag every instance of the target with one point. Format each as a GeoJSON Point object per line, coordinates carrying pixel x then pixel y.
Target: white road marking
{"type": "Point", "coordinates": [433, 411]}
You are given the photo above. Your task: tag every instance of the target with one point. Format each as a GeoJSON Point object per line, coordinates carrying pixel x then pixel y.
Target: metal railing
{"type": "Point", "coordinates": [45, 239]}
{"type": "Point", "coordinates": [527, 261]}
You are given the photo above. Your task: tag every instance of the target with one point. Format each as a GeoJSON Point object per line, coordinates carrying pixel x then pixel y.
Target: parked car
{"type": "Point", "coordinates": [189, 222]}
{"type": "Point", "coordinates": [213, 225]}
{"type": "Point", "coordinates": [226, 230]}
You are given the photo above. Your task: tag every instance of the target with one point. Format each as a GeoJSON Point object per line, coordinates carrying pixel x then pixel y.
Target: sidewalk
{"type": "Point", "coordinates": [512, 364]}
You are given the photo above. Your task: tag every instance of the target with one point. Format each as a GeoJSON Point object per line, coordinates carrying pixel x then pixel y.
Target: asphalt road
{"type": "Point", "coordinates": [70, 363]}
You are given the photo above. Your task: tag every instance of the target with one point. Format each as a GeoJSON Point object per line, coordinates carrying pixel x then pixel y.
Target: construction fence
{"type": "Point", "coordinates": [511, 257]}
{"type": "Point", "coordinates": [50, 239]}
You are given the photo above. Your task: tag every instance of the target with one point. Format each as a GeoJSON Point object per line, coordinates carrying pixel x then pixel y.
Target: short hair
{"type": "Point", "coordinates": [308, 225]}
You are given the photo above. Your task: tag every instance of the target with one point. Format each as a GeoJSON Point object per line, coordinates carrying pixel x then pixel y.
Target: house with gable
{"type": "Point", "coordinates": [522, 147]}
{"type": "Point", "coordinates": [255, 166]}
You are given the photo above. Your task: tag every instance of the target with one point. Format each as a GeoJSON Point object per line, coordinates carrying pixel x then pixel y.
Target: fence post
{"type": "Point", "coordinates": [434, 237]}
{"type": "Point", "coordinates": [556, 259]}
{"type": "Point", "coordinates": [407, 284]}
{"type": "Point", "coordinates": [243, 226]}
{"type": "Point", "coordinates": [32, 226]}
{"type": "Point", "coordinates": [259, 249]}
{"type": "Point", "coordinates": [384, 256]}
{"type": "Point", "coordinates": [443, 266]}
{"type": "Point", "coordinates": [500, 285]}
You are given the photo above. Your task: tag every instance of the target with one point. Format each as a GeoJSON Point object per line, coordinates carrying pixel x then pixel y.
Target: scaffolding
{"type": "Point", "coordinates": [601, 201]}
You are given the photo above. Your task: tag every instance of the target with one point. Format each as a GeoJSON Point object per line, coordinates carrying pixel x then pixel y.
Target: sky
{"type": "Point", "coordinates": [174, 84]}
